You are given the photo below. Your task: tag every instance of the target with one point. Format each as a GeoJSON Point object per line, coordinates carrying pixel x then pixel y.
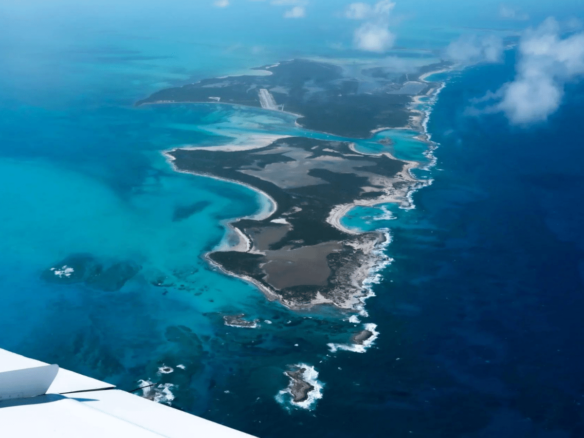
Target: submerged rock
{"type": "Point", "coordinates": [184, 212]}
{"type": "Point", "coordinates": [386, 141]}
{"type": "Point", "coordinates": [238, 321]}
{"type": "Point", "coordinates": [84, 268]}
{"type": "Point", "coordinates": [361, 337]}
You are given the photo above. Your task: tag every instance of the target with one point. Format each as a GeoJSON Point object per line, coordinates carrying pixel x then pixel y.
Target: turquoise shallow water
{"type": "Point", "coordinates": [81, 173]}
{"type": "Point", "coordinates": [107, 192]}
{"type": "Point", "coordinates": [83, 176]}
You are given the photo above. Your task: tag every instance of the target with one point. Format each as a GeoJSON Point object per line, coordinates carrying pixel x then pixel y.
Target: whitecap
{"type": "Point", "coordinates": [165, 370]}
{"type": "Point", "coordinates": [384, 260]}
{"type": "Point", "coordinates": [65, 271]}
{"type": "Point", "coordinates": [358, 348]}
{"type": "Point", "coordinates": [281, 221]}
{"type": "Point", "coordinates": [375, 273]}
{"type": "Point", "coordinates": [165, 394]}
{"type": "Point", "coordinates": [160, 393]}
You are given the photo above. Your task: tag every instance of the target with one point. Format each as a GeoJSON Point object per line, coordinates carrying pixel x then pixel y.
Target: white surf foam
{"type": "Point", "coordinates": [386, 215]}
{"type": "Point", "coordinates": [358, 348]}
{"type": "Point", "coordinates": [375, 277]}
{"type": "Point", "coordinates": [165, 394]}
{"type": "Point", "coordinates": [251, 326]}
{"type": "Point", "coordinates": [160, 393]}
{"type": "Point", "coordinates": [310, 376]}
{"type": "Point", "coordinates": [375, 274]}
{"type": "Point", "coordinates": [165, 370]}
{"type": "Point", "coordinates": [64, 271]}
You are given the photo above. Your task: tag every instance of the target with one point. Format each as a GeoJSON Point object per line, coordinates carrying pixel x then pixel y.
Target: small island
{"type": "Point", "coordinates": [239, 321]}
{"type": "Point", "coordinates": [361, 337]}
{"type": "Point", "coordinates": [299, 388]}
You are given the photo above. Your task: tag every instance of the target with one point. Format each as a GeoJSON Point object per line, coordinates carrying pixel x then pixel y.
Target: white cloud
{"type": "Point", "coordinates": [384, 7]}
{"type": "Point", "coordinates": [547, 61]}
{"type": "Point", "coordinates": [358, 11]}
{"type": "Point", "coordinates": [511, 13]}
{"type": "Point", "coordinates": [221, 3]}
{"type": "Point", "coordinates": [472, 49]}
{"type": "Point", "coordinates": [295, 12]}
{"type": "Point", "coordinates": [525, 101]}
{"type": "Point", "coordinates": [289, 2]}
{"type": "Point", "coordinates": [362, 11]}
{"type": "Point", "coordinates": [374, 34]}
{"type": "Point", "coordinates": [374, 37]}
{"type": "Point", "coordinates": [298, 9]}
{"type": "Point", "coordinates": [572, 24]}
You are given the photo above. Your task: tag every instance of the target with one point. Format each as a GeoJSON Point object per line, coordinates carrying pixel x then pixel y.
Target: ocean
{"type": "Point", "coordinates": [478, 315]}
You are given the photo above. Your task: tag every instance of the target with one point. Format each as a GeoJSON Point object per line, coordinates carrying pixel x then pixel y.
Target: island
{"type": "Point", "coordinates": [325, 96]}
{"type": "Point", "coordinates": [239, 321]}
{"type": "Point", "coordinates": [361, 337]}
{"type": "Point", "coordinates": [299, 388]}
{"type": "Point", "coordinates": [299, 253]}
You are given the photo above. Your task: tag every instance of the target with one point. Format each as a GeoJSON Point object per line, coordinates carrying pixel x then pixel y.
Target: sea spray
{"type": "Point", "coordinates": [159, 393]}
{"type": "Point", "coordinates": [310, 376]}
{"type": "Point", "coordinates": [383, 261]}
{"type": "Point", "coordinates": [164, 369]}
{"type": "Point", "coordinates": [375, 275]}
{"type": "Point", "coordinates": [358, 348]}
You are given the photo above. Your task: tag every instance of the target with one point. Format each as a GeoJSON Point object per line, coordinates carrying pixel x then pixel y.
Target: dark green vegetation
{"type": "Point", "coordinates": [314, 201]}
{"type": "Point", "coordinates": [297, 255]}
{"type": "Point", "coordinates": [307, 178]}
{"type": "Point", "coordinates": [325, 98]}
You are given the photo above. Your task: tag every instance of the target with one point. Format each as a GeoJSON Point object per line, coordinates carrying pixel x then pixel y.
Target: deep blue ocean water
{"type": "Point", "coordinates": [479, 315]}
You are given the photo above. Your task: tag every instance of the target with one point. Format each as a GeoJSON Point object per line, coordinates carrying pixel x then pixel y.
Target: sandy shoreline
{"type": "Point", "coordinates": [244, 244]}
{"type": "Point", "coordinates": [258, 216]}
{"type": "Point", "coordinates": [417, 120]}
{"type": "Point", "coordinates": [258, 141]}
{"type": "Point", "coordinates": [214, 102]}
{"type": "Point", "coordinates": [424, 76]}
{"type": "Point", "coordinates": [268, 293]}
{"type": "Point", "coordinates": [404, 197]}
{"type": "Point", "coordinates": [392, 196]}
